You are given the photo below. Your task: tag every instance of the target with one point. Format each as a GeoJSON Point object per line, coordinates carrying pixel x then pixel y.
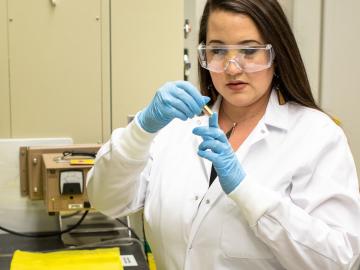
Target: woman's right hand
{"type": "Point", "coordinates": [173, 100]}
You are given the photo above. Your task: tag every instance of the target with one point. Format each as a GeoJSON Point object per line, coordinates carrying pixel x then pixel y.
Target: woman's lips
{"type": "Point", "coordinates": [238, 85]}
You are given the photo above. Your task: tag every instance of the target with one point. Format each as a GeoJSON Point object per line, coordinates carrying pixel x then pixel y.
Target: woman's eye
{"type": "Point", "coordinates": [248, 51]}
{"type": "Point", "coordinates": [218, 51]}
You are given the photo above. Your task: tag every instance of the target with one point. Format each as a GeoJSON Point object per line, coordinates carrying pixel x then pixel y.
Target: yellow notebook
{"type": "Point", "coordinates": [97, 259]}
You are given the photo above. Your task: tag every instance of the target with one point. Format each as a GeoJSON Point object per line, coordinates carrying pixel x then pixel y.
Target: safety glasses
{"type": "Point", "coordinates": [218, 58]}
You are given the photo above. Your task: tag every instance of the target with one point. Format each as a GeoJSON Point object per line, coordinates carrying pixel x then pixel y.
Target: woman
{"type": "Point", "coordinates": [266, 182]}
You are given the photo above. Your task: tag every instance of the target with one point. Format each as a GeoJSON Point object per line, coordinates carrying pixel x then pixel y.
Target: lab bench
{"type": "Point", "coordinates": [10, 243]}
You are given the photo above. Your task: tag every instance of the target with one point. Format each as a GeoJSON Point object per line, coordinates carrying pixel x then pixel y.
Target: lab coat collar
{"type": "Point", "coordinates": [276, 115]}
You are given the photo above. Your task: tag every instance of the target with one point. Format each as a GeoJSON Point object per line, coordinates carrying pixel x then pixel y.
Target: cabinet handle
{"type": "Point", "coordinates": [53, 3]}
{"type": "Point", "coordinates": [187, 64]}
{"type": "Point", "coordinates": [187, 28]}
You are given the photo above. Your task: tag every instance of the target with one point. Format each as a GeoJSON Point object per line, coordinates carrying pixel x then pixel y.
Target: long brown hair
{"type": "Point", "coordinates": [270, 19]}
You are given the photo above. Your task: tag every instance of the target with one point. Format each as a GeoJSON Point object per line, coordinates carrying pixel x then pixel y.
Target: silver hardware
{"type": "Point", "coordinates": [187, 28]}
{"type": "Point", "coordinates": [187, 64]}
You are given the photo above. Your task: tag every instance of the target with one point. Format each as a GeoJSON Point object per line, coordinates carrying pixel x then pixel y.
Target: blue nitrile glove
{"type": "Point", "coordinates": [173, 100]}
{"type": "Point", "coordinates": [216, 148]}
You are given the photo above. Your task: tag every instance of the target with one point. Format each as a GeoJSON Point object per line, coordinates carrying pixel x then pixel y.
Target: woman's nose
{"type": "Point", "coordinates": [232, 67]}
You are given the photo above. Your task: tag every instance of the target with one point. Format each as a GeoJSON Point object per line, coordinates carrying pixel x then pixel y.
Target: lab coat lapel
{"type": "Point", "coordinates": [259, 133]}
{"type": "Point", "coordinates": [204, 121]}
{"type": "Point", "coordinates": [206, 164]}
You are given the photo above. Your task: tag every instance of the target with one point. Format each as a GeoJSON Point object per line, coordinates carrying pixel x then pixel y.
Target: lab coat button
{"type": "Point", "coordinates": [207, 201]}
{"type": "Point", "coordinates": [198, 122]}
{"type": "Point", "coordinates": [196, 197]}
{"type": "Point", "coordinates": [262, 131]}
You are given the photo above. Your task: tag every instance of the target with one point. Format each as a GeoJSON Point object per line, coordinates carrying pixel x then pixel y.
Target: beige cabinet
{"type": "Point", "coordinates": [55, 52]}
{"type": "Point", "coordinates": [340, 92]}
{"type": "Point", "coordinates": [147, 51]}
{"type": "Point", "coordinates": [4, 74]}
{"type": "Point", "coordinates": [78, 68]}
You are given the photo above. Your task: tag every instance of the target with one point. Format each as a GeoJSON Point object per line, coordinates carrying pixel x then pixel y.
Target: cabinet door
{"type": "Point", "coordinates": [308, 35]}
{"type": "Point", "coordinates": [147, 51]}
{"type": "Point", "coordinates": [4, 73]}
{"type": "Point", "coordinates": [55, 69]}
{"type": "Point", "coordinates": [340, 93]}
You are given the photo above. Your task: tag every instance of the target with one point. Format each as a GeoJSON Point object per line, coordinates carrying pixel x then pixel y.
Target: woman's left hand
{"type": "Point", "coordinates": [216, 148]}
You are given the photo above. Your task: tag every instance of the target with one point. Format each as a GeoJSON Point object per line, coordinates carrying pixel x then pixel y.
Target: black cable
{"type": "Point", "coordinates": [130, 229]}
{"type": "Point", "coordinates": [50, 234]}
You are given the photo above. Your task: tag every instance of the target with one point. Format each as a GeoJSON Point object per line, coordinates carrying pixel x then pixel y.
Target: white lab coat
{"type": "Point", "coordinates": [297, 208]}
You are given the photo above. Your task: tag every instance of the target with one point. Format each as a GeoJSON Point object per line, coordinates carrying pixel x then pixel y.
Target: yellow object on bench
{"type": "Point", "coordinates": [107, 258]}
{"type": "Point", "coordinates": [86, 161]}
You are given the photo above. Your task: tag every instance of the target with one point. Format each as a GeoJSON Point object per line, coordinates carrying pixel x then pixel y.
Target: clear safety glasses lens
{"type": "Point", "coordinates": [249, 59]}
